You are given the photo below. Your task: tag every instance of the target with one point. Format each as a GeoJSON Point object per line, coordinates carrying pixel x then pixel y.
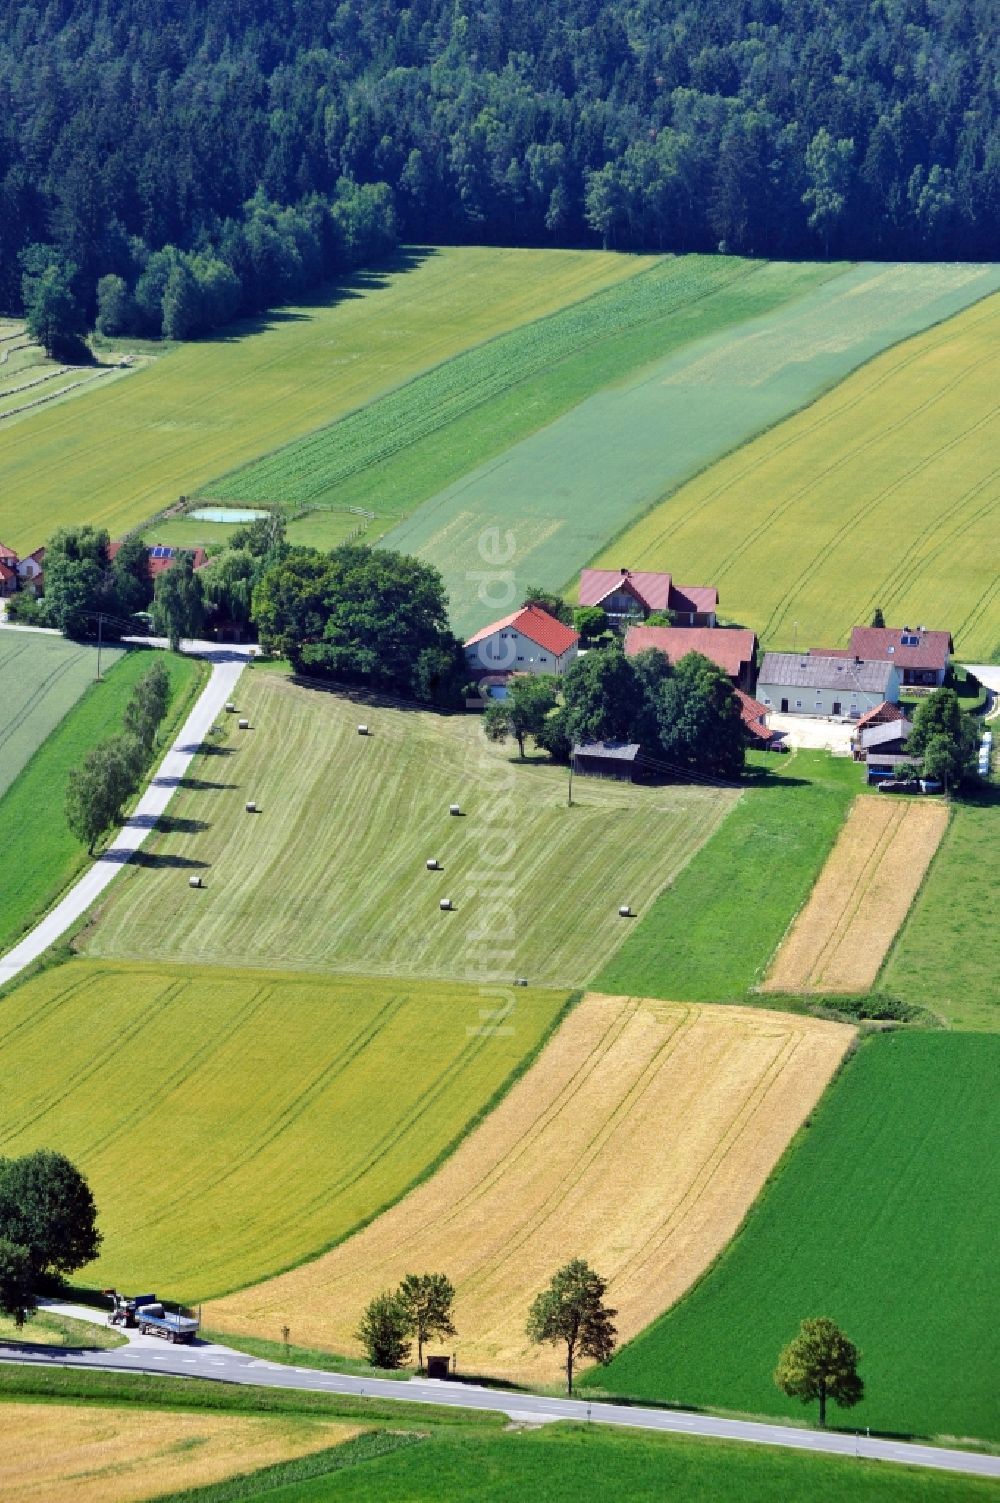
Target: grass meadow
{"type": "Point", "coordinates": [883, 1216]}
{"type": "Point", "coordinates": [944, 958]}
{"type": "Point", "coordinates": [44, 856]}
{"type": "Point", "coordinates": [883, 493]}
{"type": "Point", "coordinates": [647, 1128]}
{"type": "Point", "coordinates": [710, 935]}
{"type": "Point", "coordinates": [131, 447]}
{"type": "Point", "coordinates": [273, 1113]}
{"type": "Point", "coordinates": [42, 678]}
{"type": "Point", "coordinates": [567, 489]}
{"type": "Point", "coordinates": [331, 874]}
{"type": "Point", "coordinates": [29, 380]}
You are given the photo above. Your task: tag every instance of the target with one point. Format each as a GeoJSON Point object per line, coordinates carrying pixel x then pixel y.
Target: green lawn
{"type": "Point", "coordinates": [42, 678]}
{"type": "Point", "coordinates": [710, 935]}
{"type": "Point", "coordinates": [945, 958]}
{"type": "Point", "coordinates": [130, 447]}
{"type": "Point", "coordinates": [883, 1216]}
{"type": "Point", "coordinates": [46, 1329]}
{"type": "Point", "coordinates": [42, 857]}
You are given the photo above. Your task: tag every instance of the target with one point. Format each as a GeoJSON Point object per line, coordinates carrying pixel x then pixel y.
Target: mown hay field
{"type": "Point", "coordinates": [570, 487]}
{"type": "Point", "coordinates": [29, 380]}
{"type": "Point", "coordinates": [840, 938]}
{"type": "Point", "coordinates": [331, 874]}
{"type": "Point", "coordinates": [886, 492]}
{"type": "Point", "coordinates": [85, 1453]}
{"type": "Point", "coordinates": [128, 448]}
{"type": "Point", "coordinates": [48, 856]}
{"type": "Point", "coordinates": [882, 1217]}
{"type": "Point", "coordinates": [41, 679]}
{"type": "Point", "coordinates": [408, 445]}
{"type": "Point", "coordinates": [637, 1140]}
{"type": "Point", "coordinates": [945, 956]}
{"type": "Point", "coordinates": [268, 1114]}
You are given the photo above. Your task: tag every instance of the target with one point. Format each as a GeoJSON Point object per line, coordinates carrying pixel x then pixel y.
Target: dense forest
{"type": "Point", "coordinates": [776, 127]}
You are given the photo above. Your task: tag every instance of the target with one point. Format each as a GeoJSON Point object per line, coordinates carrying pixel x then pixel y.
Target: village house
{"type": "Point", "coordinates": [628, 595]}
{"type": "Point", "coordinates": [792, 684]}
{"type": "Point", "coordinates": [921, 656]}
{"type": "Point", "coordinates": [754, 717]}
{"type": "Point", "coordinates": [159, 556]}
{"type": "Point", "coordinates": [8, 570]}
{"type": "Point", "coordinates": [527, 641]}
{"type": "Point", "coordinates": [732, 649]}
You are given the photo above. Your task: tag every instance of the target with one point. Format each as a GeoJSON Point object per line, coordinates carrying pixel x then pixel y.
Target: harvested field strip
{"type": "Point", "coordinates": [839, 940]}
{"type": "Point", "coordinates": [84, 1453]}
{"type": "Point", "coordinates": [567, 489]}
{"type": "Point", "coordinates": [126, 450]}
{"type": "Point", "coordinates": [883, 1216]}
{"type": "Point", "coordinates": [41, 678]}
{"type": "Point", "coordinates": [636, 1140]}
{"type": "Point", "coordinates": [331, 876]}
{"type": "Point", "coordinates": [254, 1093]}
{"type": "Point", "coordinates": [800, 526]}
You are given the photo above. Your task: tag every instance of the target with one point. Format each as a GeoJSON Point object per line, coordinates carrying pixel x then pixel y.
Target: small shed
{"type": "Point", "coordinates": [608, 759]}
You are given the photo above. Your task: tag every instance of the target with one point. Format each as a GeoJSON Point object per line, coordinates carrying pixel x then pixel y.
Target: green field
{"type": "Point", "coordinates": [710, 935]}
{"type": "Point", "coordinates": [886, 492]}
{"type": "Point", "coordinates": [945, 956]}
{"type": "Point", "coordinates": [41, 679]}
{"type": "Point", "coordinates": [131, 447]}
{"type": "Point", "coordinates": [234, 1122]}
{"type": "Point", "coordinates": [331, 874]}
{"type": "Point", "coordinates": [29, 380]}
{"type": "Point", "coordinates": [396, 452]}
{"type": "Point", "coordinates": [322, 528]}
{"type": "Point", "coordinates": [44, 857]}
{"type": "Point", "coordinates": [884, 1217]}
{"type": "Point", "coordinates": [576, 483]}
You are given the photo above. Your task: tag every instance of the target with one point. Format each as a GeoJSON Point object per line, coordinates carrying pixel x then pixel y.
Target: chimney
{"type": "Point", "coordinates": [626, 572]}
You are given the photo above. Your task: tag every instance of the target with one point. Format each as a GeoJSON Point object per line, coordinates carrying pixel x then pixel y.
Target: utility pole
{"type": "Point", "coordinates": [569, 800]}
{"type": "Point", "coordinates": [100, 627]}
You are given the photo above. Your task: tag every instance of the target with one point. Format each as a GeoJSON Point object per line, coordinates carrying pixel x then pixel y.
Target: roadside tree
{"type": "Point", "coordinates": [17, 1292]}
{"type": "Point", "coordinates": [427, 1300]}
{"type": "Point", "coordinates": [46, 1207]}
{"type": "Point", "coordinates": [821, 1363]}
{"type": "Point", "coordinates": [572, 1311]}
{"type": "Point", "coordinates": [383, 1331]}
{"type": "Point", "coordinates": [98, 789]}
{"type": "Point", "coordinates": [178, 606]}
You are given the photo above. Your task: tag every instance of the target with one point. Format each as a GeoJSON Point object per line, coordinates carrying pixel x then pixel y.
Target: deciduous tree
{"type": "Point", "coordinates": [821, 1363]}
{"type": "Point", "coordinates": [427, 1300]}
{"type": "Point", "coordinates": [46, 1207]}
{"type": "Point", "coordinates": [383, 1331]}
{"type": "Point", "coordinates": [572, 1312]}
{"type": "Point", "coordinates": [178, 606]}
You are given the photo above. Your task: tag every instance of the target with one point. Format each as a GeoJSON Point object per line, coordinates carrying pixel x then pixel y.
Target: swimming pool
{"type": "Point", "coordinates": [234, 514]}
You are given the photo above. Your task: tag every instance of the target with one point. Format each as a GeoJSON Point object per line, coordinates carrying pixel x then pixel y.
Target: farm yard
{"type": "Point", "coordinates": [329, 877]}
{"type": "Point", "coordinates": [42, 678]}
{"type": "Point", "coordinates": [34, 801]}
{"type": "Point", "coordinates": [882, 1216]}
{"type": "Point", "coordinates": [567, 489]}
{"type": "Point", "coordinates": [76, 1453]}
{"type": "Point", "coordinates": [885, 492]}
{"type": "Point", "coordinates": [840, 938]}
{"type": "Point", "coordinates": [130, 448]}
{"type": "Point", "coordinates": [276, 1112]}
{"type": "Point", "coordinates": [672, 1115]}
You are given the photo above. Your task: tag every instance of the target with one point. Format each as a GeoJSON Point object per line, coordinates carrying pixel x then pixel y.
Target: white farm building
{"type": "Point", "coordinates": [792, 684]}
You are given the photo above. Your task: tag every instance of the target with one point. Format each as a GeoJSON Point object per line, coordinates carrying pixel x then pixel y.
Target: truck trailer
{"type": "Point", "coordinates": [145, 1313]}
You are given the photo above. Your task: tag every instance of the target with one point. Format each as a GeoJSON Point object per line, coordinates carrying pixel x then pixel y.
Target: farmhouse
{"type": "Point", "coordinates": [627, 595]}
{"type": "Point", "coordinates": [20, 573]}
{"type": "Point", "coordinates": [754, 717]}
{"type": "Point", "coordinates": [527, 641]}
{"type": "Point", "coordinates": [607, 759]}
{"type": "Point", "coordinates": [813, 685]}
{"type": "Point", "coordinates": [733, 649]}
{"type": "Point", "coordinates": [921, 656]}
{"type": "Point", "coordinates": [160, 557]}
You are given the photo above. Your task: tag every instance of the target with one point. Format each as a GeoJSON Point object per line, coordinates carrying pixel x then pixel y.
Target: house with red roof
{"type": "Point", "coordinates": [8, 577]}
{"type": "Point", "coordinates": [160, 556]}
{"type": "Point", "coordinates": [629, 595]}
{"type": "Point", "coordinates": [921, 656]}
{"type": "Point", "coordinates": [732, 648]}
{"type": "Point", "coordinates": [30, 572]}
{"type": "Point", "coordinates": [754, 716]}
{"type": "Point", "coordinates": [529, 640]}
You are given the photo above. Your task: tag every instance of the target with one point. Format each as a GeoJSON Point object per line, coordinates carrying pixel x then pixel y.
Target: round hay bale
{"type": "Point", "coordinates": [625, 911]}
{"type": "Point", "coordinates": [454, 809]}
{"type": "Point", "coordinates": [432, 865]}
{"type": "Point", "coordinates": [230, 708]}
{"type": "Point", "coordinates": [445, 905]}
{"type": "Point", "coordinates": [244, 724]}
{"type": "Point", "coordinates": [362, 730]}
{"type": "Point", "coordinates": [251, 807]}
{"type": "Point", "coordinates": [195, 882]}
{"type": "Point", "coordinates": [520, 980]}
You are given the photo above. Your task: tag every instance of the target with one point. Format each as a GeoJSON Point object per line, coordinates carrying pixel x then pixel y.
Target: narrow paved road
{"type": "Point", "coordinates": [227, 665]}
{"type": "Point", "coordinates": [148, 1354]}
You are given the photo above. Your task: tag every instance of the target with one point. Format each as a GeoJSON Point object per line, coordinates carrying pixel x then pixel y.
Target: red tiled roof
{"type": "Point", "coordinates": [881, 715]}
{"type": "Point", "coordinates": [694, 597]}
{"type": "Point", "coordinates": [754, 716]}
{"type": "Point", "coordinates": [161, 556]}
{"type": "Point", "coordinates": [6, 572]}
{"type": "Point", "coordinates": [535, 624]}
{"type": "Point", "coordinates": [7, 554]}
{"type": "Point", "coordinates": [729, 648]}
{"type": "Point", "coordinates": [930, 650]}
{"type": "Point", "coordinates": [652, 589]}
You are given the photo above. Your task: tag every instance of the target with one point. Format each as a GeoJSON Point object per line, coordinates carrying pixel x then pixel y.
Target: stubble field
{"type": "Point", "coordinates": [637, 1140]}
{"type": "Point", "coordinates": [840, 938]}
{"type": "Point", "coordinates": [331, 874]}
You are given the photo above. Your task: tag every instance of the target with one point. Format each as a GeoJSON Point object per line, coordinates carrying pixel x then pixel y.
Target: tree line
{"type": "Point", "coordinates": [772, 127]}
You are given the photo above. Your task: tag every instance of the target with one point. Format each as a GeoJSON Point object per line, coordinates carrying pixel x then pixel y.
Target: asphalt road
{"type": "Point", "coordinates": [149, 1354]}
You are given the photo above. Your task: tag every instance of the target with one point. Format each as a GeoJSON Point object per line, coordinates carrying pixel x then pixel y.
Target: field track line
{"type": "Point", "coordinates": [864, 877]}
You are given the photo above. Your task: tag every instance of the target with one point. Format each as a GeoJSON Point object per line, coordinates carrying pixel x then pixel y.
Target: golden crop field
{"type": "Point", "coordinates": [84, 1453]}
{"type": "Point", "coordinates": [125, 449]}
{"type": "Point", "coordinates": [637, 1140]}
{"type": "Point", "coordinates": [840, 938]}
{"type": "Point", "coordinates": [233, 1122]}
{"type": "Point", "coordinates": [885, 492]}
{"type": "Point", "coordinates": [331, 874]}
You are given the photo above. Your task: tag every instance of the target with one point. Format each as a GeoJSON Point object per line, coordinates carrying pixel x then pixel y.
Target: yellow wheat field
{"type": "Point", "coordinates": [840, 938]}
{"type": "Point", "coordinates": [67, 1453]}
{"type": "Point", "coordinates": [637, 1140]}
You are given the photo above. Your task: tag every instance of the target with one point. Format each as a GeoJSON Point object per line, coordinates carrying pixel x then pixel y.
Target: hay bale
{"type": "Point", "coordinates": [251, 807]}
{"type": "Point", "coordinates": [362, 730]}
{"type": "Point", "coordinates": [454, 809]}
{"type": "Point", "coordinates": [446, 905]}
{"type": "Point", "coordinates": [230, 708]}
{"type": "Point", "coordinates": [195, 882]}
{"type": "Point", "coordinates": [625, 911]}
{"type": "Point", "coordinates": [244, 725]}
{"type": "Point", "coordinates": [432, 865]}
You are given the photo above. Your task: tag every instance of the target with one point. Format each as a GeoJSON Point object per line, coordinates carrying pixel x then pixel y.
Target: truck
{"type": "Point", "coordinates": [146, 1313]}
